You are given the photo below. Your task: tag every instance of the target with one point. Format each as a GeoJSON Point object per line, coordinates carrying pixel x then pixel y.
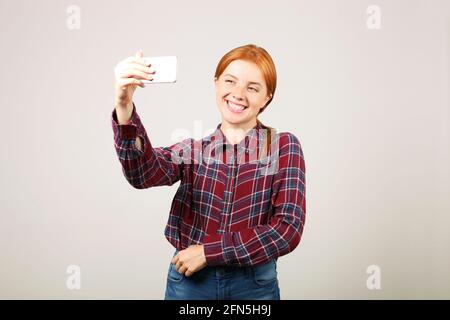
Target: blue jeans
{"type": "Point", "coordinates": [225, 283]}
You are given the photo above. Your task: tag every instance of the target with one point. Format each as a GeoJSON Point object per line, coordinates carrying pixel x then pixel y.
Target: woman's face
{"type": "Point", "coordinates": [240, 93]}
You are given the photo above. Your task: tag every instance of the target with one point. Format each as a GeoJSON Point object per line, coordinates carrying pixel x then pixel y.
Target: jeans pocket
{"type": "Point", "coordinates": [265, 274]}
{"type": "Point", "coordinates": [173, 275]}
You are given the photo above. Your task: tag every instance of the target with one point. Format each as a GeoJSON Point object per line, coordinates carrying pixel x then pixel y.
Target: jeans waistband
{"type": "Point", "coordinates": [224, 270]}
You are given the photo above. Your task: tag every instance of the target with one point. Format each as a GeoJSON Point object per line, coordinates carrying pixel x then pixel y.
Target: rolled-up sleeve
{"type": "Point", "coordinates": [151, 166]}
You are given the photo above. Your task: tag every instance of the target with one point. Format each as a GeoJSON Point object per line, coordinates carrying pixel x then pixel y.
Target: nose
{"type": "Point", "coordinates": [238, 93]}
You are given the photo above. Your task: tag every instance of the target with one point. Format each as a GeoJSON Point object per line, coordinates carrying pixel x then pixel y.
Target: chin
{"type": "Point", "coordinates": [233, 121]}
{"type": "Point", "coordinates": [233, 118]}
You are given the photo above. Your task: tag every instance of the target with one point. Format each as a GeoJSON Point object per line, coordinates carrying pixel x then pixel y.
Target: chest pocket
{"type": "Point", "coordinates": [208, 186]}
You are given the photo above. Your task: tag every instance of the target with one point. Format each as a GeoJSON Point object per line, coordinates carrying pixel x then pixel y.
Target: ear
{"type": "Point", "coordinates": [265, 102]}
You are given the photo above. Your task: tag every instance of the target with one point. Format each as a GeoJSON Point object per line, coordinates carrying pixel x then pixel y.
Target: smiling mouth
{"type": "Point", "coordinates": [235, 107]}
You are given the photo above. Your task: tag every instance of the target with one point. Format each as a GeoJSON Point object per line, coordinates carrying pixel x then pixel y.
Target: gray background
{"type": "Point", "coordinates": [370, 107]}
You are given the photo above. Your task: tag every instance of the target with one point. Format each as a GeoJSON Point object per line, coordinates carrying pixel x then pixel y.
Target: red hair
{"type": "Point", "coordinates": [260, 57]}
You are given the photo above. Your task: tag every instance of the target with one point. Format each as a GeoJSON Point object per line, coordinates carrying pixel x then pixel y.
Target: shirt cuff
{"type": "Point", "coordinates": [212, 247]}
{"type": "Point", "coordinates": [127, 130]}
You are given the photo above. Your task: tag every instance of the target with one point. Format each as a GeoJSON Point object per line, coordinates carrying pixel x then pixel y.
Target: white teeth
{"type": "Point", "coordinates": [235, 106]}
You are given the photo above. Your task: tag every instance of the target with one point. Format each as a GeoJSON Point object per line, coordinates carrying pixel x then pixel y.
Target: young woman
{"type": "Point", "coordinates": [241, 200]}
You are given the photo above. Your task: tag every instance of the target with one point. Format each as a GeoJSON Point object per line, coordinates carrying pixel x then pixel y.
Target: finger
{"type": "Point", "coordinates": [129, 81]}
{"type": "Point", "coordinates": [139, 55]}
{"type": "Point", "coordinates": [139, 60]}
{"type": "Point", "coordinates": [125, 82]}
{"type": "Point", "coordinates": [123, 70]}
{"type": "Point", "coordinates": [133, 73]}
{"type": "Point", "coordinates": [140, 67]}
{"type": "Point", "coordinates": [182, 270]}
{"type": "Point", "coordinates": [178, 265]}
{"type": "Point", "coordinates": [188, 273]}
{"type": "Point", "coordinates": [175, 259]}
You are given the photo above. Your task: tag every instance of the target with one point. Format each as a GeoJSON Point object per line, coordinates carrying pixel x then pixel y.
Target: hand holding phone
{"type": "Point", "coordinates": [134, 71]}
{"type": "Point", "coordinates": [129, 74]}
{"type": "Point", "coordinates": [165, 67]}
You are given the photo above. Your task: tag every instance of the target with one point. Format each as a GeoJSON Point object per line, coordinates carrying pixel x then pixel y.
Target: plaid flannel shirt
{"type": "Point", "coordinates": [243, 210]}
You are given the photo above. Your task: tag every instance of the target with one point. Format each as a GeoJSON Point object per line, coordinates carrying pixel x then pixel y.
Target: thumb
{"type": "Point", "coordinates": [139, 54]}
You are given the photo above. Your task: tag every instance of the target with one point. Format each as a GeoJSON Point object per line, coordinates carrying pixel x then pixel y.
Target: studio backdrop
{"type": "Point", "coordinates": [364, 85]}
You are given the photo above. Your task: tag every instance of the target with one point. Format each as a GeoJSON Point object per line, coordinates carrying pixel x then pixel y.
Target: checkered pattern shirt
{"type": "Point", "coordinates": [243, 208]}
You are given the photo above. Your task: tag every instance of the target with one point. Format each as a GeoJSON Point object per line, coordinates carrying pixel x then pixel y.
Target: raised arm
{"type": "Point", "coordinates": [142, 165]}
{"type": "Point", "coordinates": [149, 166]}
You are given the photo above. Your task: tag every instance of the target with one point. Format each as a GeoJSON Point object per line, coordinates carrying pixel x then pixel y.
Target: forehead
{"type": "Point", "coordinates": [245, 71]}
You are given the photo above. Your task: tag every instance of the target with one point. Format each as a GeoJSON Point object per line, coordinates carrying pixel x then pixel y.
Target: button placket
{"type": "Point", "coordinates": [228, 194]}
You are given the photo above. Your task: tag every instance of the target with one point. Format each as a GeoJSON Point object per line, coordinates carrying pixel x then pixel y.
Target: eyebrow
{"type": "Point", "coordinates": [259, 84]}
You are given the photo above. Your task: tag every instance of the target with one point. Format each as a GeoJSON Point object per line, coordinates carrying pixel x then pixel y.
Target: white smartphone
{"type": "Point", "coordinates": [165, 67]}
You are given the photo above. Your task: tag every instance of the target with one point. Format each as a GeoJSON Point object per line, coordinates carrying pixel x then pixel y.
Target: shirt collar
{"type": "Point", "coordinates": [249, 143]}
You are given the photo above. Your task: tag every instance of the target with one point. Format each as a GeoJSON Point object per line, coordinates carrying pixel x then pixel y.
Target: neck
{"type": "Point", "coordinates": [236, 132]}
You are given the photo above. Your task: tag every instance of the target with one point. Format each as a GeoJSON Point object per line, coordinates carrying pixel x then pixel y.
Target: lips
{"type": "Point", "coordinates": [235, 103]}
{"type": "Point", "coordinates": [235, 107]}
